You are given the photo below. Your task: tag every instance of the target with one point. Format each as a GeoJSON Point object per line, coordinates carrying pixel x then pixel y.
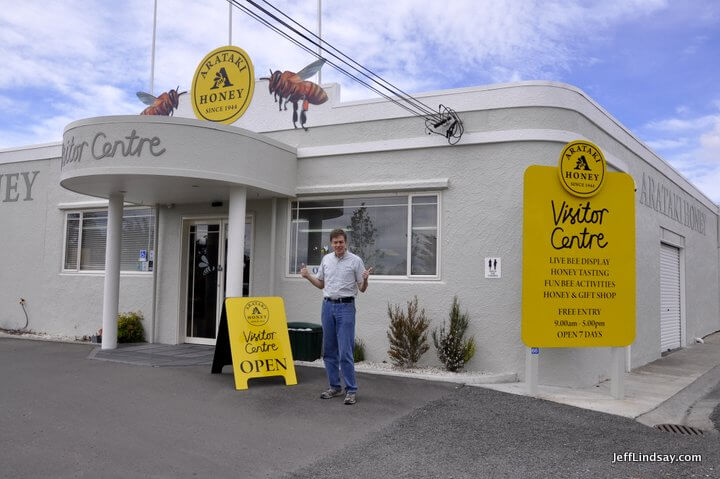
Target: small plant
{"type": "Point", "coordinates": [453, 350]}
{"type": "Point", "coordinates": [130, 328]}
{"type": "Point", "coordinates": [359, 351]}
{"type": "Point", "coordinates": [407, 334]}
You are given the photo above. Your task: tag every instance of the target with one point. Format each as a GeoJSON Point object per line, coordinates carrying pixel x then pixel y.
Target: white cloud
{"type": "Point", "coordinates": [14, 105]}
{"type": "Point", "coordinates": [699, 157]}
{"type": "Point", "coordinates": [668, 143]}
{"type": "Point", "coordinates": [65, 60]}
{"type": "Point", "coordinates": [682, 124]}
{"type": "Point", "coordinates": [489, 41]}
{"type": "Point", "coordinates": [93, 43]}
{"type": "Point", "coordinates": [69, 44]}
{"type": "Point", "coordinates": [710, 143]}
{"type": "Point", "coordinates": [708, 182]}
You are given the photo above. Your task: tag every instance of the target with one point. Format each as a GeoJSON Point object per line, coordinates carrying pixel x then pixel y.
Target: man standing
{"type": "Point", "coordinates": [340, 275]}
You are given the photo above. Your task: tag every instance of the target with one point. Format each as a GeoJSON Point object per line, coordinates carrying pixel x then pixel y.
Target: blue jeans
{"type": "Point", "coordinates": [338, 323]}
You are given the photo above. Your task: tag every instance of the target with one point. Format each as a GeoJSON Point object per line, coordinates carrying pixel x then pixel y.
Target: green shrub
{"type": "Point", "coordinates": [407, 334]}
{"type": "Point", "coordinates": [359, 351]}
{"type": "Point", "coordinates": [453, 350]}
{"type": "Point", "coordinates": [130, 328]}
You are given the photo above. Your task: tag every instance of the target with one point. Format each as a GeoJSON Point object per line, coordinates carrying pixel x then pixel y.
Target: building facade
{"type": "Point", "coordinates": [423, 213]}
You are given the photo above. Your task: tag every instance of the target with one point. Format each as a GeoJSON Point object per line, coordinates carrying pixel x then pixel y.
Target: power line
{"type": "Point", "coordinates": [357, 66]}
{"type": "Point", "coordinates": [443, 122]}
{"type": "Point", "coordinates": [331, 63]}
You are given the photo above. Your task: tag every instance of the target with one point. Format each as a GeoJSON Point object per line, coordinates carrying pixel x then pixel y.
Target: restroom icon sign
{"type": "Point", "coordinates": [492, 267]}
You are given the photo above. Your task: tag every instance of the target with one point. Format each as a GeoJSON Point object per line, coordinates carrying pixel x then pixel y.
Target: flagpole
{"type": "Point", "coordinates": [152, 60]}
{"type": "Point", "coordinates": [319, 19]}
{"type": "Point", "coordinates": [230, 23]}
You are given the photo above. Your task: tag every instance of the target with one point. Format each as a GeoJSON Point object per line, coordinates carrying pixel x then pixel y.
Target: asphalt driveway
{"type": "Point", "coordinates": [62, 415]}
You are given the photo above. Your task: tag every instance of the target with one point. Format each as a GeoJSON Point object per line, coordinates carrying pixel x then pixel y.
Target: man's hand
{"type": "Point", "coordinates": [318, 283]}
{"type": "Point", "coordinates": [366, 273]}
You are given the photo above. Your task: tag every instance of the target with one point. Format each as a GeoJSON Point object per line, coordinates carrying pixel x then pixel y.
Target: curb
{"type": "Point", "coordinates": [462, 378]}
{"type": "Point", "coordinates": [39, 337]}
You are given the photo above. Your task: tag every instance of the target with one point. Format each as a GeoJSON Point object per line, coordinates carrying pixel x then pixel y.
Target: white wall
{"type": "Point", "coordinates": [31, 252]}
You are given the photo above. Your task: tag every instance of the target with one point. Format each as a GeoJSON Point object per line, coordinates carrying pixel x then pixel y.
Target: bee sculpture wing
{"type": "Point", "coordinates": [311, 69]}
{"type": "Point", "coordinates": [146, 98]}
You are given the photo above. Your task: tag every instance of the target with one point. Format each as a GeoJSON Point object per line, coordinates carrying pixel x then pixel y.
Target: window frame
{"type": "Point", "coordinates": [99, 272]}
{"type": "Point", "coordinates": [408, 276]}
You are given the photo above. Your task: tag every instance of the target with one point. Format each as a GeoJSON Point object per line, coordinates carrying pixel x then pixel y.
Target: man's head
{"type": "Point", "coordinates": [338, 240]}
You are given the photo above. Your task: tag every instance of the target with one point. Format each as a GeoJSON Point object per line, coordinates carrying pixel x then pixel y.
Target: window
{"type": "Point", "coordinates": [396, 235]}
{"type": "Point", "coordinates": [86, 233]}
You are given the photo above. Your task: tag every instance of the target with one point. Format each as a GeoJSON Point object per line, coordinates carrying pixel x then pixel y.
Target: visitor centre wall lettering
{"type": "Point", "coordinates": [668, 201]}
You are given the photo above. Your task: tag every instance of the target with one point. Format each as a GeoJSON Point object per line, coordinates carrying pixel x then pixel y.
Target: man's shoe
{"type": "Point", "coordinates": [350, 399]}
{"type": "Point", "coordinates": [330, 393]}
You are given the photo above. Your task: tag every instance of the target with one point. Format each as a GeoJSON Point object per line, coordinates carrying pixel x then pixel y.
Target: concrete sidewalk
{"type": "Point", "coordinates": [157, 355]}
{"type": "Point", "coordinates": [692, 371]}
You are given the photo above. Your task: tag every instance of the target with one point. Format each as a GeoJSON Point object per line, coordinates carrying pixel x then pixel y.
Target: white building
{"type": "Point", "coordinates": [431, 213]}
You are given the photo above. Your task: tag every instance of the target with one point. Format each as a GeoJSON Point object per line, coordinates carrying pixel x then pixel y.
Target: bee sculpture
{"type": "Point", "coordinates": [293, 87]}
{"type": "Point", "coordinates": [205, 264]}
{"type": "Point", "coordinates": [164, 104]}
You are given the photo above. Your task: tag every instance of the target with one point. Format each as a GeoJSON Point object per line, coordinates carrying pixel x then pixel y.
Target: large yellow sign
{"type": "Point", "coordinates": [223, 85]}
{"type": "Point", "coordinates": [578, 261]}
{"type": "Point", "coordinates": [259, 340]}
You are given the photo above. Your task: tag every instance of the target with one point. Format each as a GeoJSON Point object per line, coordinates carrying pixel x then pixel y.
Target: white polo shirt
{"type": "Point", "coordinates": [341, 275]}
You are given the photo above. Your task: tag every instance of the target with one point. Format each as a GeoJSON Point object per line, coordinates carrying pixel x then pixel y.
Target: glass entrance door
{"type": "Point", "coordinates": [206, 259]}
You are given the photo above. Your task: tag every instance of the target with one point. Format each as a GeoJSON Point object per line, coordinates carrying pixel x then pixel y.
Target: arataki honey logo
{"type": "Point", "coordinates": [256, 313]}
{"type": "Point", "coordinates": [223, 85]}
{"type": "Point", "coordinates": [582, 168]}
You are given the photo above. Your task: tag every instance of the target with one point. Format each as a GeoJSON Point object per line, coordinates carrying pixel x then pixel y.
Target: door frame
{"type": "Point", "coordinates": [185, 223]}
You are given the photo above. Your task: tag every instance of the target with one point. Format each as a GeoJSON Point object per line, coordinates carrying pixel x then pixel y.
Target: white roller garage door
{"type": "Point", "coordinates": [670, 327]}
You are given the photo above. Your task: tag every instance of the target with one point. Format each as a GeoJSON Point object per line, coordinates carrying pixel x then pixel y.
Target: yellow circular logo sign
{"type": "Point", "coordinates": [223, 85]}
{"type": "Point", "coordinates": [582, 168]}
{"type": "Point", "coordinates": [256, 313]}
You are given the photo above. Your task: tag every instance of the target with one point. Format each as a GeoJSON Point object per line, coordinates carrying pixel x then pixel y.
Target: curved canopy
{"type": "Point", "coordinates": [162, 160]}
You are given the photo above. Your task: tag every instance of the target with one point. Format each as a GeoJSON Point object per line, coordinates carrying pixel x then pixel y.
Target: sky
{"type": "Point", "coordinates": [652, 64]}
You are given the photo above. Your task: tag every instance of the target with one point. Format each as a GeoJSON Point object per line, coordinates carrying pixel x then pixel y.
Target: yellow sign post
{"type": "Point", "coordinates": [259, 340]}
{"type": "Point", "coordinates": [223, 85]}
{"type": "Point", "coordinates": [578, 253]}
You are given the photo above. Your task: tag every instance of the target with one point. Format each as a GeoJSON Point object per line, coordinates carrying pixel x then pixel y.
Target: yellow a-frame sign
{"type": "Point", "coordinates": [259, 340]}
